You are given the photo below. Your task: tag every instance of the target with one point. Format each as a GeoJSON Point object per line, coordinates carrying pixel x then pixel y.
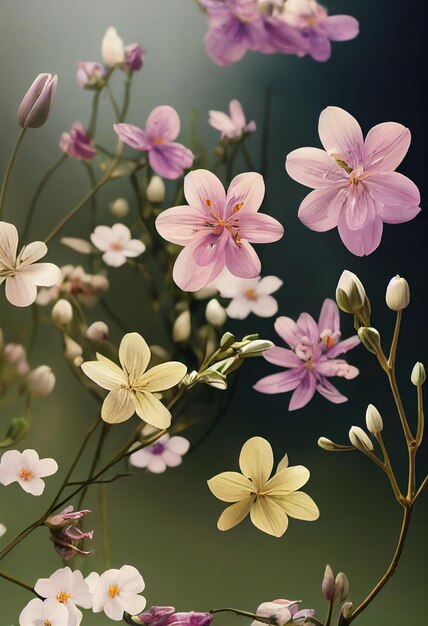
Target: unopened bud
{"type": "Point", "coordinates": [227, 340]}
{"type": "Point", "coordinates": [346, 610]}
{"type": "Point", "coordinates": [341, 587]}
{"type": "Point", "coordinates": [37, 102]}
{"type": "Point", "coordinates": [398, 293]}
{"type": "Point", "coordinates": [112, 48]}
{"type": "Point", "coordinates": [328, 586]}
{"type": "Point", "coordinates": [182, 327]}
{"type": "Point", "coordinates": [62, 312]}
{"type": "Point", "coordinates": [255, 348]}
{"type": "Point", "coordinates": [373, 420]}
{"type": "Point", "coordinates": [370, 338]}
{"type": "Point", "coordinates": [41, 381]}
{"type": "Point", "coordinates": [14, 353]}
{"type": "Point", "coordinates": [98, 331]}
{"type": "Point", "coordinates": [72, 348]}
{"type": "Point", "coordinates": [330, 446]}
{"type": "Point", "coordinates": [120, 207]}
{"type": "Point", "coordinates": [418, 376]}
{"type": "Point", "coordinates": [360, 439]}
{"type": "Point", "coordinates": [155, 191]}
{"type": "Point", "coordinates": [190, 379]}
{"type": "Point", "coordinates": [215, 313]}
{"type": "Point", "coordinates": [18, 428]}
{"type": "Point", "coordinates": [350, 293]}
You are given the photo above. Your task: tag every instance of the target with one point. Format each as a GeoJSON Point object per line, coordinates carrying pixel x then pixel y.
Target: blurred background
{"type": "Point", "coordinates": [166, 525]}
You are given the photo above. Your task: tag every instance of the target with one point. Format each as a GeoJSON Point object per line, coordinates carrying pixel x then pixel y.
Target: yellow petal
{"type": "Point", "coordinates": [105, 373]}
{"type": "Point", "coordinates": [162, 377]}
{"type": "Point", "coordinates": [134, 355]}
{"type": "Point", "coordinates": [299, 505]}
{"type": "Point", "coordinates": [234, 514]}
{"type": "Point", "coordinates": [256, 460]}
{"type": "Point", "coordinates": [152, 410]}
{"type": "Point", "coordinates": [269, 517]}
{"type": "Point", "coordinates": [287, 480]}
{"type": "Point", "coordinates": [283, 464]}
{"type": "Point", "coordinates": [230, 486]}
{"type": "Point", "coordinates": [118, 406]}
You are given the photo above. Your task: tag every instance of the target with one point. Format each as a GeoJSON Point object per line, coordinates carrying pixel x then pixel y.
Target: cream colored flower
{"type": "Point", "coordinates": [131, 387]}
{"type": "Point", "coordinates": [269, 501]}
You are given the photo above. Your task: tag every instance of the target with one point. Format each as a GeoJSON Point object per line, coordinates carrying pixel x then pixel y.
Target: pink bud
{"type": "Point", "coordinates": [37, 102]}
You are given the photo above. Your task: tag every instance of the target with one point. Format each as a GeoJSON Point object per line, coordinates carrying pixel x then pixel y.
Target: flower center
{"type": "Point", "coordinates": [63, 597]}
{"type": "Point", "coordinates": [159, 141]}
{"type": "Point", "coordinates": [113, 590]}
{"type": "Point", "coordinates": [218, 225]}
{"type": "Point", "coordinates": [158, 448]}
{"type": "Point", "coordinates": [26, 474]}
{"type": "Point", "coordinates": [116, 246]}
{"type": "Point", "coordinates": [250, 294]}
{"type": "Point", "coordinates": [47, 622]}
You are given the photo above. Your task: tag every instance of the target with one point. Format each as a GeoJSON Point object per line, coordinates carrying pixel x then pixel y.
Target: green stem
{"type": "Point", "coordinates": [95, 460]}
{"type": "Point", "coordinates": [126, 99]}
{"type": "Point", "coordinates": [19, 582]}
{"type": "Point", "coordinates": [421, 417]}
{"type": "Point", "coordinates": [9, 169]}
{"type": "Point", "coordinates": [93, 182]}
{"type": "Point", "coordinates": [389, 471]}
{"type": "Point", "coordinates": [113, 102]}
{"type": "Point", "coordinates": [94, 113]}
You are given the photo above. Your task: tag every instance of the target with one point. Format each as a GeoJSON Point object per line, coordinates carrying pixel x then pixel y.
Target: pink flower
{"type": "Point", "coordinates": [77, 143]}
{"type": "Point", "coordinates": [168, 159]}
{"type": "Point", "coordinates": [232, 126]}
{"type": "Point", "coordinates": [312, 358]}
{"type": "Point", "coordinates": [356, 187]}
{"type": "Point", "coordinates": [166, 452]}
{"type": "Point", "coordinates": [283, 612]}
{"type": "Point", "coordinates": [26, 469]}
{"type": "Point", "coordinates": [69, 589]}
{"type": "Point", "coordinates": [90, 75]}
{"type": "Point", "coordinates": [116, 243]}
{"type": "Point", "coordinates": [249, 295]}
{"type": "Point", "coordinates": [217, 229]}
{"type": "Point", "coordinates": [134, 57]}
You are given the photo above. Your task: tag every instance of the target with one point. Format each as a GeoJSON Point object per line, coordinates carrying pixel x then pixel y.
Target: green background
{"type": "Point", "coordinates": [166, 525]}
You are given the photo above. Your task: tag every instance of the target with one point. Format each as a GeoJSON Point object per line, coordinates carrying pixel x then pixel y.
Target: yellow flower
{"type": "Point", "coordinates": [131, 387]}
{"type": "Point", "coordinates": [269, 501]}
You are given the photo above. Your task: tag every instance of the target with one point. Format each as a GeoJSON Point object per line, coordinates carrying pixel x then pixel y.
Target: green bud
{"type": "Point", "coordinates": [350, 293]}
{"type": "Point", "coordinates": [370, 338]}
{"type": "Point", "coordinates": [18, 428]}
{"type": "Point", "coordinates": [330, 446]}
{"type": "Point", "coordinates": [227, 340]}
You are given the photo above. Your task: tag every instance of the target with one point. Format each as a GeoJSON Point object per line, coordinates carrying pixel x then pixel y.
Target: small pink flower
{"type": "Point", "coordinates": [166, 452]}
{"type": "Point", "coordinates": [90, 75]}
{"type": "Point", "coordinates": [77, 143]}
{"type": "Point", "coordinates": [116, 243]}
{"type": "Point", "coordinates": [217, 229]}
{"type": "Point", "coordinates": [27, 469]}
{"type": "Point", "coordinates": [356, 187]}
{"type": "Point", "coordinates": [249, 295]}
{"type": "Point", "coordinates": [232, 126]}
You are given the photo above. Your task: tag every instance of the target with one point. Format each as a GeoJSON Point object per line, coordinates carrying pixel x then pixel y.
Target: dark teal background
{"type": "Point", "coordinates": [166, 525]}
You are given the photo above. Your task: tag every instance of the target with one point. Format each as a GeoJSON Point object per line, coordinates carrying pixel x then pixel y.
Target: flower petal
{"type": "Point", "coordinates": [341, 27]}
{"type": "Point", "coordinates": [385, 146]}
{"type": "Point", "coordinates": [281, 382]}
{"type": "Point", "coordinates": [329, 317]}
{"type": "Point", "coordinates": [152, 410]}
{"type": "Point", "coordinates": [268, 285]}
{"type": "Point", "coordinates": [363, 241]}
{"type": "Point", "coordinates": [230, 486]}
{"type": "Point", "coordinates": [241, 259]}
{"type": "Point", "coordinates": [134, 355]}
{"type": "Point", "coordinates": [267, 516]}
{"type": "Point", "coordinates": [235, 513]}
{"type": "Point", "coordinates": [265, 306]}
{"type": "Point", "coordinates": [343, 346]}
{"type": "Point", "coordinates": [169, 160]}
{"type": "Point", "coordinates": [260, 228]}
{"type": "Point", "coordinates": [190, 276]}
{"type": "Point", "coordinates": [8, 244]}
{"type": "Point", "coordinates": [329, 391]}
{"type": "Point", "coordinates": [118, 406]}
{"type": "Point", "coordinates": [20, 290]}
{"type": "Point", "coordinates": [178, 445]}
{"type": "Point", "coordinates": [313, 167]}
{"type": "Point", "coordinates": [161, 377]}
{"type": "Point", "coordinates": [396, 197]}
{"type": "Point", "coordinates": [42, 274]}
{"type": "Point", "coordinates": [256, 460]}
{"type": "Point", "coordinates": [287, 480]}
{"type": "Point", "coordinates": [200, 186]}
{"type": "Point", "coordinates": [341, 135]}
{"type": "Point", "coordinates": [163, 123]}
{"type": "Point", "coordinates": [237, 113]}
{"type": "Point", "coordinates": [288, 331]}
{"type": "Point", "coordinates": [181, 224]}
{"type": "Point", "coordinates": [321, 208]}
{"type": "Point", "coordinates": [247, 189]}
{"type": "Point", "coordinates": [32, 252]}
{"type": "Point", "coordinates": [282, 357]}
{"type": "Point", "coordinates": [303, 393]}
{"type": "Point", "coordinates": [105, 373]}
{"type": "Point", "coordinates": [299, 505]}
{"type": "Point", "coordinates": [133, 136]}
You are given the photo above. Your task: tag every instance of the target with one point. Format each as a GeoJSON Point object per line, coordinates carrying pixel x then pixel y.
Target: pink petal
{"type": "Point", "coordinates": [222, 122]}
{"type": "Point", "coordinates": [329, 317]}
{"type": "Point", "coordinates": [102, 237]}
{"type": "Point", "coordinates": [360, 207]}
{"type": "Point", "coordinates": [239, 309]}
{"type": "Point", "coordinates": [341, 134]}
{"type": "Point", "coordinates": [288, 331]}
{"type": "Point", "coordinates": [320, 209]}
{"type": "Point", "coordinates": [133, 136]}
{"type": "Point", "coordinates": [20, 290]}
{"type": "Point", "coordinates": [283, 357]}
{"type": "Point", "coordinates": [156, 464]}
{"type": "Point", "coordinates": [222, 50]}
{"type": "Point", "coordinates": [396, 197]}
{"type": "Point", "coordinates": [308, 327]}
{"type": "Point", "coordinates": [386, 146]}
{"type": "Point", "coordinates": [303, 393]}
{"type": "Point", "coordinates": [114, 258]}
{"type": "Point", "coordinates": [329, 391]}
{"type": "Point", "coordinates": [248, 189]}
{"type": "Point", "coordinates": [237, 114]}
{"type": "Point", "coordinates": [33, 252]}
{"type": "Point", "coordinates": [281, 382]}
{"type": "Point", "coordinates": [171, 458]}
{"type": "Point", "coordinates": [202, 185]}
{"type": "Point", "coordinates": [42, 274]}
{"type": "Point", "coordinates": [190, 276]}
{"type": "Point", "coordinates": [170, 160]}
{"type": "Point", "coordinates": [178, 445]}
{"type": "Point", "coordinates": [341, 27]}
{"type": "Point", "coordinates": [242, 259]}
{"type": "Point", "coordinates": [343, 346]}
{"type": "Point", "coordinates": [364, 241]}
{"type": "Point", "coordinates": [133, 248]}
{"type": "Point", "coordinates": [181, 224]}
{"type": "Point", "coordinates": [120, 233]}
{"type": "Point", "coordinates": [260, 228]}
{"type": "Point", "coordinates": [313, 167]}
{"type": "Point", "coordinates": [163, 123]}
{"type": "Point", "coordinates": [208, 248]}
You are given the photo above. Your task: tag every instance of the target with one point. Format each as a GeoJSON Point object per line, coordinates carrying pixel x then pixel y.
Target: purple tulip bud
{"type": "Point", "coordinates": [37, 102]}
{"type": "Point", "coordinates": [190, 619]}
{"type": "Point", "coordinates": [328, 586]}
{"type": "Point", "coordinates": [156, 615]}
{"type": "Point", "coordinates": [134, 57]}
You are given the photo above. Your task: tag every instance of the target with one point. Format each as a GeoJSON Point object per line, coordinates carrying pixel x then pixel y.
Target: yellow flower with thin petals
{"type": "Point", "coordinates": [131, 386]}
{"type": "Point", "coordinates": [269, 501]}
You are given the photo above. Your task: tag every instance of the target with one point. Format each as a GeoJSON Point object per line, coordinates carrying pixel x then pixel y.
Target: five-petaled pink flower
{"type": "Point", "coordinates": [27, 469]}
{"type": "Point", "coordinates": [312, 358]}
{"type": "Point", "coordinates": [356, 187]}
{"type": "Point", "coordinates": [167, 158]}
{"type": "Point", "coordinates": [217, 229]}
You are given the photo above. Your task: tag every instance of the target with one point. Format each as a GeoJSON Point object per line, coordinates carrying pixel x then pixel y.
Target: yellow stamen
{"type": "Point", "coordinates": [113, 591]}
{"type": "Point", "coordinates": [26, 474]}
{"type": "Point", "coordinates": [47, 622]}
{"type": "Point", "coordinates": [63, 597]}
{"type": "Point", "coordinates": [250, 294]}
{"type": "Point", "coordinates": [159, 141]}
{"type": "Point", "coordinates": [237, 207]}
{"type": "Point", "coordinates": [116, 246]}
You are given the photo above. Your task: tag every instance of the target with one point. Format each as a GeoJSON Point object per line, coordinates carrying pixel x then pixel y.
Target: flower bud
{"type": "Point", "coordinates": [112, 48]}
{"type": "Point", "coordinates": [373, 420]}
{"type": "Point", "coordinates": [72, 348]}
{"type": "Point", "coordinates": [134, 57]}
{"type": "Point", "coordinates": [90, 75]}
{"type": "Point", "coordinates": [62, 312]}
{"type": "Point", "coordinates": [190, 379]}
{"type": "Point", "coordinates": [155, 191]}
{"type": "Point", "coordinates": [350, 293]}
{"type": "Point", "coordinates": [98, 331]}
{"type": "Point", "coordinates": [78, 245]}
{"type": "Point", "coordinates": [14, 353]}
{"type": "Point", "coordinates": [398, 293]}
{"type": "Point", "coordinates": [215, 313]}
{"type": "Point", "coordinates": [341, 587]}
{"type": "Point", "coordinates": [227, 340]}
{"type": "Point", "coordinates": [418, 376]}
{"type": "Point", "coordinates": [328, 586]}
{"type": "Point", "coordinates": [120, 207]}
{"type": "Point", "coordinates": [182, 327]}
{"type": "Point", "coordinates": [41, 381]}
{"type": "Point", "coordinates": [370, 338]}
{"type": "Point", "coordinates": [360, 439]}
{"type": "Point", "coordinates": [330, 446]}
{"type": "Point", "coordinates": [155, 616]}
{"type": "Point", "coordinates": [18, 428]}
{"type": "Point", "coordinates": [3, 529]}
{"type": "Point", "coordinates": [37, 102]}
{"type": "Point", "coordinates": [346, 610]}
{"type": "Point", "coordinates": [255, 348]}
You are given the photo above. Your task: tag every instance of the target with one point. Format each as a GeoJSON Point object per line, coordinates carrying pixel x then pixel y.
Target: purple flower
{"type": "Point", "coordinates": [233, 126]}
{"type": "Point", "coordinates": [77, 143]}
{"type": "Point", "coordinates": [312, 358]}
{"type": "Point", "coordinates": [318, 28]}
{"type": "Point", "coordinates": [134, 57]}
{"type": "Point", "coordinates": [166, 616]}
{"type": "Point", "coordinates": [166, 158]}
{"type": "Point", "coordinates": [156, 615]}
{"type": "Point", "coordinates": [37, 103]}
{"type": "Point", "coordinates": [356, 187]}
{"type": "Point", "coordinates": [90, 75]}
{"type": "Point", "coordinates": [65, 534]}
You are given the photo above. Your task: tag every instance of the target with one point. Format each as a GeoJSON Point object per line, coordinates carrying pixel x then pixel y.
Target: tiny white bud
{"type": "Point", "coordinates": [350, 293]}
{"type": "Point", "coordinates": [41, 381]}
{"type": "Point", "coordinates": [72, 348]}
{"type": "Point", "coordinates": [346, 610]}
{"type": "Point", "coordinates": [98, 331]}
{"type": "Point", "coordinates": [112, 48]}
{"type": "Point", "coordinates": [360, 439]}
{"type": "Point", "coordinates": [370, 338]}
{"type": "Point", "coordinates": [373, 420]}
{"type": "Point", "coordinates": [418, 376]}
{"type": "Point", "coordinates": [62, 312]}
{"type": "Point", "coordinates": [120, 207]}
{"type": "Point", "coordinates": [77, 361]}
{"type": "Point", "coordinates": [215, 313]}
{"type": "Point", "coordinates": [398, 293]}
{"type": "Point", "coordinates": [182, 327]}
{"type": "Point", "coordinates": [155, 191]}
{"type": "Point", "coordinates": [330, 446]}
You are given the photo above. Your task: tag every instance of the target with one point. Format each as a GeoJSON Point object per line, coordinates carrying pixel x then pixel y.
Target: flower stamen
{"type": "Point", "coordinates": [63, 597]}
{"type": "Point", "coordinates": [26, 474]}
{"type": "Point", "coordinates": [113, 590]}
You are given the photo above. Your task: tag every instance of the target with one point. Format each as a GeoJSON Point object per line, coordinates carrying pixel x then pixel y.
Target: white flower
{"type": "Point", "coordinates": [21, 273]}
{"type": "Point", "coordinates": [249, 295]}
{"type": "Point", "coordinates": [92, 580]}
{"type": "Point", "coordinates": [166, 452]}
{"type": "Point", "coordinates": [3, 530]}
{"type": "Point", "coordinates": [41, 381]}
{"type": "Point", "coordinates": [117, 591]}
{"type": "Point", "coordinates": [116, 243]}
{"type": "Point", "coordinates": [69, 589]}
{"type": "Point", "coordinates": [112, 48]}
{"type": "Point", "coordinates": [27, 469]}
{"type": "Point", "coordinates": [39, 612]}
{"type": "Point", "coordinates": [231, 126]}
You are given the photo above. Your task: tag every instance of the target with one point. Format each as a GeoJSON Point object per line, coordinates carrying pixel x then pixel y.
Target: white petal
{"type": "Point", "coordinates": [119, 406]}
{"type": "Point", "coordinates": [161, 377]}
{"type": "Point", "coordinates": [33, 252]}
{"type": "Point", "coordinates": [230, 486]}
{"type": "Point", "coordinates": [114, 258]}
{"type": "Point", "coordinates": [42, 274]}
{"type": "Point", "coordinates": [20, 290]}
{"type": "Point", "coordinates": [256, 460]}
{"type": "Point", "coordinates": [134, 355]}
{"type": "Point", "coordinates": [152, 410]}
{"type": "Point", "coordinates": [45, 467]}
{"type": "Point", "coordinates": [234, 514]}
{"type": "Point", "coordinates": [8, 244]}
{"type": "Point", "coordinates": [105, 373]}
